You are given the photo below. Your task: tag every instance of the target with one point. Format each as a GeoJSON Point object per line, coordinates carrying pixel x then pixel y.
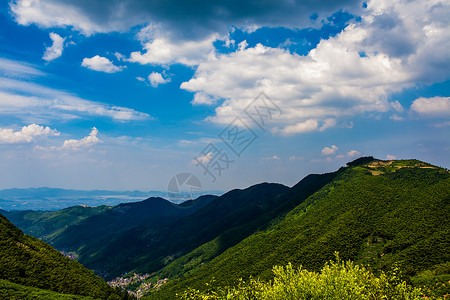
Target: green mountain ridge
{"type": "Point", "coordinates": [373, 212]}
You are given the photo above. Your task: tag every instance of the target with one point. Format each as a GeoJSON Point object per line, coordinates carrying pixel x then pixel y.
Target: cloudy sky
{"type": "Point", "coordinates": [126, 94]}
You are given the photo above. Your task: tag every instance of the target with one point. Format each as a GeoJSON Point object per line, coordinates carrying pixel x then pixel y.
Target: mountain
{"type": "Point", "coordinates": [147, 247]}
{"type": "Point", "coordinates": [27, 263]}
{"type": "Point", "coordinates": [375, 212]}
{"type": "Point", "coordinates": [102, 227]}
{"type": "Point", "coordinates": [46, 225]}
{"type": "Point", "coordinates": [45, 199]}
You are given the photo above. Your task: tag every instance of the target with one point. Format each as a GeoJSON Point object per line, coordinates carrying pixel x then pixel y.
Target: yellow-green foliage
{"type": "Point", "coordinates": [337, 280]}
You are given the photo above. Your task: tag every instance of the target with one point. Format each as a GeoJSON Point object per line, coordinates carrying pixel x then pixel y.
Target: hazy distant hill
{"type": "Point", "coordinates": [45, 199]}
{"type": "Point", "coordinates": [377, 212]}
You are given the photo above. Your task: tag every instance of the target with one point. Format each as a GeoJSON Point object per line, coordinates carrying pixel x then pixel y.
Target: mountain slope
{"type": "Point", "coordinates": [46, 225]}
{"type": "Point", "coordinates": [28, 261]}
{"type": "Point", "coordinates": [105, 226]}
{"type": "Point", "coordinates": [378, 212]}
{"type": "Point", "coordinates": [149, 248]}
{"type": "Point", "coordinates": [232, 236]}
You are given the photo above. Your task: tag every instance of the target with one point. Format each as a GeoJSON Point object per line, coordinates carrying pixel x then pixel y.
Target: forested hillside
{"type": "Point", "coordinates": [374, 212]}
{"type": "Point", "coordinates": [27, 261]}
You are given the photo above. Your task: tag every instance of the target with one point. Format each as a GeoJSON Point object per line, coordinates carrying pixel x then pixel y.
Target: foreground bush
{"type": "Point", "coordinates": [337, 280]}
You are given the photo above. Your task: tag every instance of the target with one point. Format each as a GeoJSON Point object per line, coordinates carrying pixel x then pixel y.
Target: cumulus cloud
{"type": "Point", "coordinates": [334, 81]}
{"type": "Point", "coordinates": [189, 19]}
{"type": "Point", "coordinates": [56, 49]}
{"type": "Point", "coordinates": [432, 107]}
{"type": "Point", "coordinates": [205, 159]}
{"type": "Point", "coordinates": [160, 50]}
{"type": "Point", "coordinates": [390, 157]}
{"type": "Point", "coordinates": [353, 153]}
{"type": "Point", "coordinates": [88, 141]}
{"type": "Point", "coordinates": [26, 135]}
{"type": "Point", "coordinates": [102, 64]}
{"type": "Point", "coordinates": [202, 98]}
{"type": "Point", "coordinates": [329, 150]}
{"type": "Point", "coordinates": [306, 126]}
{"type": "Point", "coordinates": [156, 79]}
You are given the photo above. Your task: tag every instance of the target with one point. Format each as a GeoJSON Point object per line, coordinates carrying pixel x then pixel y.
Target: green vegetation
{"type": "Point", "coordinates": [336, 281]}
{"type": "Point", "coordinates": [28, 261]}
{"type": "Point", "coordinates": [399, 217]}
{"type": "Point", "coordinates": [47, 225]}
{"type": "Point", "coordinates": [14, 291]}
{"type": "Point", "coordinates": [148, 248]}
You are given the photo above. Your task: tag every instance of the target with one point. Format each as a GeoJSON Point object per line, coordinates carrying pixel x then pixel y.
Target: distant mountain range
{"type": "Point", "coordinates": [46, 199]}
{"type": "Point", "coordinates": [374, 212]}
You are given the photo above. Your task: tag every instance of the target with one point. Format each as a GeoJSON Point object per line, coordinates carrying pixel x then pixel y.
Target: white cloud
{"type": "Point", "coordinates": [140, 78]}
{"type": "Point", "coordinates": [397, 106]}
{"type": "Point", "coordinates": [396, 117]}
{"type": "Point", "coordinates": [160, 50]}
{"type": "Point", "coordinates": [26, 135]}
{"type": "Point", "coordinates": [56, 49]}
{"type": "Point", "coordinates": [328, 123]}
{"type": "Point", "coordinates": [205, 159]}
{"type": "Point", "coordinates": [34, 103]}
{"type": "Point", "coordinates": [390, 157]}
{"type": "Point", "coordinates": [48, 104]}
{"type": "Point", "coordinates": [293, 157]}
{"type": "Point", "coordinates": [12, 68]}
{"type": "Point", "coordinates": [334, 81]}
{"type": "Point", "coordinates": [329, 150]}
{"type": "Point", "coordinates": [86, 142]}
{"type": "Point", "coordinates": [156, 79]}
{"type": "Point", "coordinates": [353, 153]}
{"type": "Point", "coordinates": [275, 157]}
{"type": "Point", "coordinates": [202, 98]}
{"type": "Point", "coordinates": [102, 64]}
{"type": "Point", "coordinates": [306, 126]}
{"type": "Point", "coordinates": [442, 124]}
{"type": "Point", "coordinates": [432, 107]}
{"type": "Point", "coordinates": [48, 14]}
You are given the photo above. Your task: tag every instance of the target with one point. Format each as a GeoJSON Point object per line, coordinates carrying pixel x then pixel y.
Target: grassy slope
{"type": "Point", "coordinates": [28, 261]}
{"type": "Point", "coordinates": [399, 215]}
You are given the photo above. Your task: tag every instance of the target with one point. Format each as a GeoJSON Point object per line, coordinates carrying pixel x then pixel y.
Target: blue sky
{"type": "Point", "coordinates": [125, 95]}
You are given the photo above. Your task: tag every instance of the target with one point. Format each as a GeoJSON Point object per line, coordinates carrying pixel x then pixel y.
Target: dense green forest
{"type": "Point", "coordinates": [376, 213]}
{"type": "Point", "coordinates": [47, 225]}
{"type": "Point", "coordinates": [27, 261]}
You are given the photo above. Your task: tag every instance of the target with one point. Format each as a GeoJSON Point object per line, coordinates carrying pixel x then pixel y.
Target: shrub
{"type": "Point", "coordinates": [337, 280]}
